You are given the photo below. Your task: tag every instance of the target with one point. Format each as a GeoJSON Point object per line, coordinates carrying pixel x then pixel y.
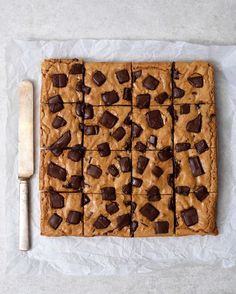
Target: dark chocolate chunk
{"type": "Point", "coordinates": [172, 112]}
{"type": "Point", "coordinates": [99, 78]}
{"type": "Point", "coordinates": [94, 171]}
{"type": "Point", "coordinates": [182, 190]}
{"type": "Point", "coordinates": [127, 94]}
{"type": "Point", "coordinates": [79, 110]}
{"type": "Point", "coordinates": [56, 171]}
{"type": "Point", "coordinates": [157, 171]}
{"type": "Point", "coordinates": [150, 82]}
{"type": "Point", "coordinates": [56, 199]}
{"type": "Point", "coordinates": [57, 151]}
{"type": "Point", "coordinates": [86, 89]}
{"type": "Point", "coordinates": [102, 222]}
{"type": "Point", "coordinates": [136, 182]}
{"type": "Point", "coordinates": [153, 194]}
{"type": "Point", "coordinates": [128, 145]}
{"type": "Point", "coordinates": [104, 149]}
{"type": "Point", "coordinates": [74, 217]}
{"type": "Point", "coordinates": [196, 80]}
{"type": "Point", "coordinates": [62, 142]}
{"type": "Point", "coordinates": [108, 120]}
{"type": "Point", "coordinates": [177, 168]}
{"type": "Point", "coordinates": [179, 147]}
{"type": "Point", "coordinates": [110, 98]}
{"type": "Point", "coordinates": [113, 170]}
{"type": "Point", "coordinates": [133, 206]}
{"type": "Point", "coordinates": [76, 153]}
{"type": "Point", "coordinates": [165, 153]}
{"type": "Point", "coordinates": [154, 119]}
{"type": "Point", "coordinates": [140, 147]}
{"type": "Point", "coordinates": [76, 183]}
{"type": "Point", "coordinates": [84, 110]}
{"type": "Point", "coordinates": [119, 134]}
{"type": "Point", "coordinates": [134, 226]}
{"type": "Point", "coordinates": [90, 130]}
{"type": "Point", "coordinates": [161, 98]}
{"type": "Point", "coordinates": [127, 189]}
{"type": "Point", "coordinates": [77, 68]}
{"type": "Point", "coordinates": [125, 164]}
{"type": "Point", "coordinates": [149, 211]}
{"type": "Point", "coordinates": [170, 180]}
{"type": "Point", "coordinates": [177, 92]}
{"type": "Point", "coordinates": [84, 200]}
{"type": "Point", "coordinates": [122, 76]}
{"type": "Point", "coordinates": [201, 146]}
{"type": "Point", "coordinates": [136, 74]}
{"type": "Point", "coordinates": [55, 103]}
{"type": "Point", "coordinates": [201, 193]}
{"type": "Point", "coordinates": [136, 130]}
{"type": "Point", "coordinates": [190, 216]}
{"type": "Point", "coordinates": [55, 221]}
{"type": "Point", "coordinates": [153, 140]}
{"type": "Point", "coordinates": [196, 166]}
{"type": "Point", "coordinates": [58, 122]}
{"type": "Point", "coordinates": [108, 193]}
{"type": "Point", "coordinates": [142, 164]}
{"type": "Point", "coordinates": [143, 101]}
{"type": "Point", "coordinates": [123, 221]}
{"type": "Point", "coordinates": [162, 227]}
{"type": "Point", "coordinates": [128, 120]}
{"type": "Point", "coordinates": [184, 109]}
{"type": "Point", "coordinates": [79, 86]}
{"type": "Point", "coordinates": [176, 74]}
{"type": "Point", "coordinates": [59, 80]}
{"type": "Point", "coordinates": [195, 125]}
{"type": "Point", "coordinates": [171, 205]}
{"type": "Point", "coordinates": [112, 208]}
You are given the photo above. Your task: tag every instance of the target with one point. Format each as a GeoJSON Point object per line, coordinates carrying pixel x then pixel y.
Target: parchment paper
{"type": "Point", "coordinates": [109, 255]}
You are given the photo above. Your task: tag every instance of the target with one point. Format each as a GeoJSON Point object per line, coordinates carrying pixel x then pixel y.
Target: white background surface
{"type": "Point", "coordinates": [200, 21]}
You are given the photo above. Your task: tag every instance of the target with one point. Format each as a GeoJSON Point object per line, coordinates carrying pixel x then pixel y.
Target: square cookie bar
{"type": "Point", "coordinates": [63, 172]}
{"type": "Point", "coordinates": [193, 82]}
{"type": "Point", "coordinates": [62, 126]}
{"type": "Point", "coordinates": [61, 214]}
{"type": "Point", "coordinates": [63, 78]}
{"type": "Point", "coordinates": [196, 215]}
{"type": "Point", "coordinates": [152, 218]}
{"type": "Point", "coordinates": [110, 125]}
{"type": "Point", "coordinates": [113, 218]}
{"type": "Point", "coordinates": [110, 83]}
{"type": "Point", "coordinates": [151, 83]}
{"type": "Point", "coordinates": [112, 171]}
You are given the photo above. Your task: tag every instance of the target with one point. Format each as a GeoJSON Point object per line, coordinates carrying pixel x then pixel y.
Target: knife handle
{"type": "Point", "coordinates": [24, 216]}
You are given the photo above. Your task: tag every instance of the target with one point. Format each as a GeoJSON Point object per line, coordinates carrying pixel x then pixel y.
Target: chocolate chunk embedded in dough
{"type": "Point", "coordinates": [58, 122]}
{"type": "Point", "coordinates": [55, 221]}
{"type": "Point", "coordinates": [123, 221]}
{"type": "Point", "coordinates": [170, 180]}
{"type": "Point", "coordinates": [133, 226]}
{"type": "Point", "coordinates": [152, 140]}
{"type": "Point", "coordinates": [157, 171]}
{"type": "Point", "coordinates": [165, 153]}
{"type": "Point", "coordinates": [90, 130]}
{"type": "Point", "coordinates": [196, 80]}
{"type": "Point", "coordinates": [94, 171]}
{"type": "Point", "coordinates": [119, 134]}
{"type": "Point", "coordinates": [59, 80]}
{"type": "Point", "coordinates": [140, 147]}
{"type": "Point", "coordinates": [108, 193]}
{"type": "Point", "coordinates": [79, 86]}
{"type": "Point", "coordinates": [99, 78]}
{"type": "Point", "coordinates": [136, 130]}
{"type": "Point", "coordinates": [56, 171]}
{"type": "Point", "coordinates": [84, 200]}
{"type": "Point", "coordinates": [177, 168]}
{"type": "Point", "coordinates": [150, 82]}
{"type": "Point", "coordinates": [142, 164]}
{"type": "Point", "coordinates": [184, 109]}
{"type": "Point", "coordinates": [128, 120]}
{"type": "Point", "coordinates": [125, 164]}
{"type": "Point", "coordinates": [195, 125]}
{"type": "Point", "coordinates": [201, 146]}
{"type": "Point", "coordinates": [76, 183]}
{"type": "Point", "coordinates": [110, 98]}
{"type": "Point", "coordinates": [162, 227]}
{"type": "Point", "coordinates": [179, 147]}
{"type": "Point", "coordinates": [108, 120]}
{"type": "Point", "coordinates": [122, 76]}
{"type": "Point", "coordinates": [76, 68]}
{"type": "Point", "coordinates": [136, 182]}
{"type": "Point", "coordinates": [127, 94]}
{"type": "Point", "coordinates": [190, 216]}
{"type": "Point", "coordinates": [136, 74]}
{"type": "Point", "coordinates": [127, 189]}
{"type": "Point", "coordinates": [182, 190]}
{"type": "Point", "coordinates": [178, 92]}
{"type": "Point", "coordinates": [153, 194]}
{"type": "Point", "coordinates": [74, 217]}
{"type": "Point", "coordinates": [201, 193]}
{"type": "Point", "coordinates": [76, 153]}
{"type": "Point", "coordinates": [154, 119]}
{"type": "Point", "coordinates": [196, 166]}
{"type": "Point", "coordinates": [176, 74]}
{"type": "Point", "coordinates": [149, 211]}
{"type": "Point", "coordinates": [112, 208]}
{"type": "Point", "coordinates": [104, 149]}
{"type": "Point", "coordinates": [84, 110]}
{"type": "Point", "coordinates": [56, 199]}
{"type": "Point", "coordinates": [102, 222]}
{"type": "Point", "coordinates": [161, 98]}
{"type": "Point", "coordinates": [62, 142]}
{"type": "Point", "coordinates": [55, 103]}
{"type": "Point", "coordinates": [143, 101]}
{"type": "Point", "coordinates": [113, 170]}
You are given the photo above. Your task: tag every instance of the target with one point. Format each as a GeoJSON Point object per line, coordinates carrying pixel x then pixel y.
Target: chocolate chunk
{"type": "Point", "coordinates": [94, 171]}
{"type": "Point", "coordinates": [99, 78]}
{"type": "Point", "coordinates": [170, 180]}
{"type": "Point", "coordinates": [123, 221]}
{"type": "Point", "coordinates": [79, 110]}
{"type": "Point", "coordinates": [162, 227]}
{"type": "Point", "coordinates": [150, 83]}
{"type": "Point", "coordinates": [90, 130]}
{"type": "Point", "coordinates": [134, 226]}
{"type": "Point", "coordinates": [86, 89]}
{"type": "Point", "coordinates": [153, 140]}
{"type": "Point", "coordinates": [62, 142]}
{"type": "Point", "coordinates": [149, 211]}
{"type": "Point", "coordinates": [104, 149]}
{"type": "Point", "coordinates": [74, 217]}
{"type": "Point", "coordinates": [195, 125]}
{"type": "Point", "coordinates": [127, 189]}
{"type": "Point", "coordinates": [55, 221]}
{"type": "Point", "coordinates": [128, 120]}
{"type": "Point", "coordinates": [176, 74]}
{"type": "Point", "coordinates": [190, 216]}
{"type": "Point", "coordinates": [136, 182]}
{"type": "Point", "coordinates": [59, 80]}
{"type": "Point", "coordinates": [171, 205]}
{"type": "Point", "coordinates": [84, 200]}
{"type": "Point", "coordinates": [122, 76]}
{"type": "Point", "coordinates": [136, 130]}
{"type": "Point", "coordinates": [201, 193]}
{"type": "Point", "coordinates": [113, 170]}
{"type": "Point", "coordinates": [108, 193]}
{"type": "Point", "coordinates": [177, 168]}
{"type": "Point", "coordinates": [79, 86]}
{"type": "Point", "coordinates": [143, 101]}
{"type": "Point", "coordinates": [153, 194]}
{"type": "Point", "coordinates": [112, 208]}
{"type": "Point", "coordinates": [76, 153]}
{"type": "Point", "coordinates": [140, 147]}
{"type": "Point", "coordinates": [157, 171]}
{"type": "Point", "coordinates": [172, 112]}
{"type": "Point", "coordinates": [165, 153]}
{"type": "Point", "coordinates": [161, 98]}
{"type": "Point", "coordinates": [77, 68]}
{"type": "Point", "coordinates": [201, 146]}
{"type": "Point", "coordinates": [142, 164]}
{"type": "Point", "coordinates": [133, 206]}
{"type": "Point", "coordinates": [56, 199]}
{"type": "Point", "coordinates": [125, 164]}
{"type": "Point", "coordinates": [76, 183]}
{"type": "Point", "coordinates": [108, 120]}
{"type": "Point", "coordinates": [184, 109]}
{"type": "Point", "coordinates": [179, 147]}
{"type": "Point", "coordinates": [196, 166]}
{"type": "Point", "coordinates": [136, 74]}
{"type": "Point", "coordinates": [154, 119]}
{"type": "Point", "coordinates": [119, 134]}
{"type": "Point", "coordinates": [196, 80]}
{"type": "Point", "coordinates": [58, 122]}
{"type": "Point", "coordinates": [102, 222]}
{"type": "Point", "coordinates": [110, 98]}
{"type": "Point", "coordinates": [127, 94]}
{"type": "Point", "coordinates": [84, 110]}
{"type": "Point", "coordinates": [55, 103]}
{"type": "Point", "coordinates": [182, 190]}
{"type": "Point", "coordinates": [57, 151]}
{"type": "Point", "coordinates": [56, 171]}
{"type": "Point", "coordinates": [177, 92]}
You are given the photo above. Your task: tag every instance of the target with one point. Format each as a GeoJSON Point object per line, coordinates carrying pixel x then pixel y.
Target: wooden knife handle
{"type": "Point", "coordinates": [24, 216]}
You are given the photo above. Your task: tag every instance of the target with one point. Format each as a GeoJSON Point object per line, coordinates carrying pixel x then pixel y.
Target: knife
{"type": "Point", "coordinates": [25, 157]}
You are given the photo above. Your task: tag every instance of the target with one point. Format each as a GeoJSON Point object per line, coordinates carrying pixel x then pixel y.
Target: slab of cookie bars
{"type": "Point", "coordinates": [193, 82]}
{"type": "Point", "coordinates": [63, 77]}
{"type": "Point", "coordinates": [151, 83]}
{"type": "Point", "coordinates": [110, 83]}
{"type": "Point", "coordinates": [61, 214]}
